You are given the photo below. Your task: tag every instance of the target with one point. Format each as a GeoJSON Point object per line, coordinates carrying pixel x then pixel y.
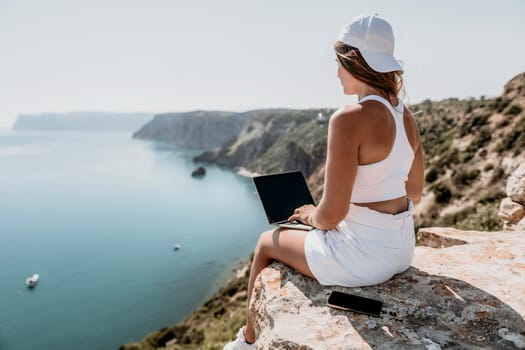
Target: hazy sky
{"type": "Point", "coordinates": [171, 55]}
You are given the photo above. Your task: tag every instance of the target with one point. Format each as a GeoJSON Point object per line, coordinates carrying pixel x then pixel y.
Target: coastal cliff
{"type": "Point", "coordinates": [277, 141]}
{"type": "Point", "coordinates": [206, 130]}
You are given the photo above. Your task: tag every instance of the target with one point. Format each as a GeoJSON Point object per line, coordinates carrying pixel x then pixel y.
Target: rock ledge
{"type": "Point", "coordinates": [470, 294]}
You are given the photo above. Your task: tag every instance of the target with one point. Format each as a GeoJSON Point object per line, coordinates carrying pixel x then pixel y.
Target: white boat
{"type": "Point", "coordinates": [176, 247]}
{"type": "Point", "coordinates": [32, 280]}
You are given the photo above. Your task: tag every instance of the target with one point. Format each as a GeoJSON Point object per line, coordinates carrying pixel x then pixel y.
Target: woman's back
{"type": "Point", "coordinates": [380, 132]}
{"type": "Point", "coordinates": [386, 152]}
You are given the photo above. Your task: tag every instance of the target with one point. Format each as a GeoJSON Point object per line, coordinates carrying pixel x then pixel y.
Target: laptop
{"type": "Point", "coordinates": [280, 194]}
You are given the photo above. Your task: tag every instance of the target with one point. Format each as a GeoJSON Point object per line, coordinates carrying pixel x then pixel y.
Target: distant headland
{"type": "Point", "coordinates": [81, 121]}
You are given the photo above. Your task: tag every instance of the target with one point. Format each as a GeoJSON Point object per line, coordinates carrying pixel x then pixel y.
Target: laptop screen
{"type": "Point", "coordinates": [282, 193]}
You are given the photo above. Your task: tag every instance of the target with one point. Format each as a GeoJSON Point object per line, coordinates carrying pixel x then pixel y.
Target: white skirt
{"type": "Point", "coordinates": [366, 248]}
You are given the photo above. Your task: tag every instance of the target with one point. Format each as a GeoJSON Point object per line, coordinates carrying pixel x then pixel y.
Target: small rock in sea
{"type": "Point", "coordinates": [176, 247]}
{"type": "Point", "coordinates": [200, 171]}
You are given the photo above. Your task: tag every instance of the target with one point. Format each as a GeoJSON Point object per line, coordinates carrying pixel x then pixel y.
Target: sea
{"type": "Point", "coordinates": [97, 216]}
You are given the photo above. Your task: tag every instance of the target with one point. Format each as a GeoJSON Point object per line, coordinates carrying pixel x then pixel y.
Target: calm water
{"type": "Point", "coordinates": [97, 215]}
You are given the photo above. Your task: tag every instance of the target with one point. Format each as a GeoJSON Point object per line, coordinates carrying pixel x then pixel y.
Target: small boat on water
{"type": "Point", "coordinates": [176, 247]}
{"type": "Point", "coordinates": [32, 280]}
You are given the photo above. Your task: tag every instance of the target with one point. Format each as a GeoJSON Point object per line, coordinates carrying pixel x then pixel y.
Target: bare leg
{"type": "Point", "coordinates": [284, 245]}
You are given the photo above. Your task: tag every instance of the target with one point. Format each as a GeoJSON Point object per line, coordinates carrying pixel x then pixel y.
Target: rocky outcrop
{"type": "Point", "coordinates": [516, 185]}
{"type": "Point", "coordinates": [467, 295]}
{"type": "Point", "coordinates": [512, 208]}
{"type": "Point", "coordinates": [196, 129]}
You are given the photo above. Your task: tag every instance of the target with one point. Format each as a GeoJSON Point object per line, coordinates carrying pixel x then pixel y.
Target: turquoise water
{"type": "Point", "coordinates": [97, 215]}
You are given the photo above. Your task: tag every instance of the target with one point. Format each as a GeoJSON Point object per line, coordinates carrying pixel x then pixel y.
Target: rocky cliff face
{"type": "Point", "coordinates": [276, 141]}
{"type": "Point", "coordinates": [197, 129]}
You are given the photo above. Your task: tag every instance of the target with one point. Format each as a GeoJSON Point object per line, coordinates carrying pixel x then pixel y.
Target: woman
{"type": "Point", "coordinates": [373, 174]}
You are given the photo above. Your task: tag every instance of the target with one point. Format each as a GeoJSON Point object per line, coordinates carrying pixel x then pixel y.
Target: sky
{"type": "Point", "coordinates": [173, 55]}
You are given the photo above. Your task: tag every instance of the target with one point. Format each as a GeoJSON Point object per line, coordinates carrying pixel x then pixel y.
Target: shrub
{"type": "Point", "coordinates": [484, 217]}
{"type": "Point", "coordinates": [432, 175]}
{"type": "Point", "coordinates": [503, 123]}
{"type": "Point", "coordinates": [514, 139]}
{"type": "Point", "coordinates": [442, 192]}
{"type": "Point", "coordinates": [482, 138]}
{"type": "Point", "coordinates": [465, 177]}
{"type": "Point", "coordinates": [466, 156]}
{"type": "Point", "coordinates": [513, 109]}
{"type": "Point", "coordinates": [500, 104]}
{"type": "Point", "coordinates": [488, 167]}
{"type": "Point", "coordinates": [497, 175]}
{"type": "Point", "coordinates": [450, 156]}
{"type": "Point", "coordinates": [473, 123]}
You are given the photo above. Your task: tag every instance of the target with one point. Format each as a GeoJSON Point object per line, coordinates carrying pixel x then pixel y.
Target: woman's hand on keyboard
{"type": "Point", "coordinates": [303, 214]}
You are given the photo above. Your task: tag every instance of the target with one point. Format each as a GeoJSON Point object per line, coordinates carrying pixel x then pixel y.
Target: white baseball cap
{"type": "Point", "coordinates": [374, 38]}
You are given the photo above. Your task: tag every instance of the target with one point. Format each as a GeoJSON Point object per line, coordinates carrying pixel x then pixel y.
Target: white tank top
{"type": "Point", "coordinates": [385, 179]}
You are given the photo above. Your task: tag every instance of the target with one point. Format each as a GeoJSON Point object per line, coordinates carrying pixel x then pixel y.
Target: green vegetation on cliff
{"type": "Point", "coordinates": [470, 146]}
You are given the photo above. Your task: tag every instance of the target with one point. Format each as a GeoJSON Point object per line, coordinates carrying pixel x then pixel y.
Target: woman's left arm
{"type": "Point", "coordinates": [340, 171]}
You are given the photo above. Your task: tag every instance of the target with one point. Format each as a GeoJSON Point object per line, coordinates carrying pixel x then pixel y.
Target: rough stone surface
{"type": "Point", "coordinates": [468, 295]}
{"type": "Point", "coordinates": [520, 226]}
{"type": "Point", "coordinates": [516, 185]}
{"type": "Point", "coordinates": [511, 211]}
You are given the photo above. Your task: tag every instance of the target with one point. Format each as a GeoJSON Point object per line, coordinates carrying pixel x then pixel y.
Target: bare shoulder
{"type": "Point", "coordinates": [348, 116]}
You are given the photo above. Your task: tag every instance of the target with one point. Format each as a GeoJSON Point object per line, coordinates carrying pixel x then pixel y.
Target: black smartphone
{"type": "Point", "coordinates": [355, 303]}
